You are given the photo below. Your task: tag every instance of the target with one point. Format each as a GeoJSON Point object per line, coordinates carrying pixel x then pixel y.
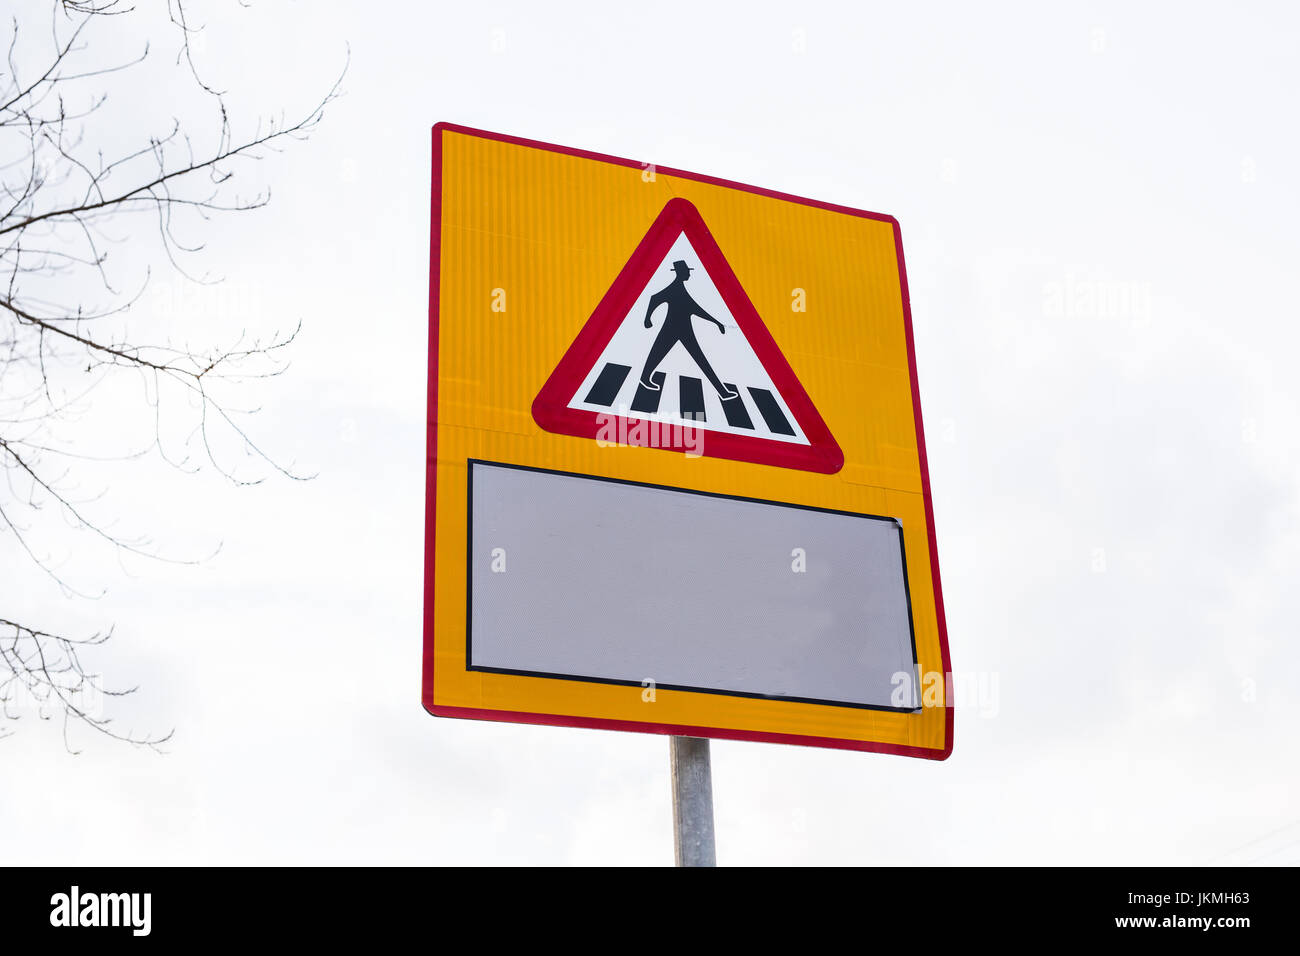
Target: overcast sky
{"type": "Point", "coordinates": [1098, 211]}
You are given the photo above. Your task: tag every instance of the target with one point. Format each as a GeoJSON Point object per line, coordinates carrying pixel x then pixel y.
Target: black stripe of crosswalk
{"type": "Point", "coordinates": [692, 392]}
{"type": "Point", "coordinates": [607, 384]}
{"type": "Point", "coordinates": [737, 414]}
{"type": "Point", "coordinates": [771, 411]}
{"type": "Point", "coordinates": [647, 399]}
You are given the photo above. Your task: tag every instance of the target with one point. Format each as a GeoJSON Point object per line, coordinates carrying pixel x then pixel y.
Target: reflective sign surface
{"type": "Point", "coordinates": [734, 407]}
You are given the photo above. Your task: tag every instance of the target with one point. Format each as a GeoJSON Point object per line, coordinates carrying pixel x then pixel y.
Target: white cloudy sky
{"type": "Point", "coordinates": [1098, 206]}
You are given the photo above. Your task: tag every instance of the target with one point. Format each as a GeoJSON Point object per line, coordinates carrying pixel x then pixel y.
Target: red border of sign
{"type": "Point", "coordinates": [551, 407]}
{"type": "Point", "coordinates": [431, 487]}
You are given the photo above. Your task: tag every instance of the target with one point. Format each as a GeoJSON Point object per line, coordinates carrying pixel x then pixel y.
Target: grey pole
{"type": "Point", "coordinates": [692, 802]}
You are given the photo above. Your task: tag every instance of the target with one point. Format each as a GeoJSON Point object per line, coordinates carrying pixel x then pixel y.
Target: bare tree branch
{"type": "Point", "coordinates": [65, 206]}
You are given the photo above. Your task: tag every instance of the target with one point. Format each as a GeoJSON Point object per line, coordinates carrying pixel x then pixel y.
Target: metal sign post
{"type": "Point", "coordinates": [692, 802]}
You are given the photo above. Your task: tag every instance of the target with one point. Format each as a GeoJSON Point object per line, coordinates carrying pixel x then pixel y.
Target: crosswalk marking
{"type": "Point", "coordinates": [605, 390]}
{"type": "Point", "coordinates": [699, 404]}
{"type": "Point", "coordinates": [737, 414]}
{"type": "Point", "coordinates": [692, 398]}
{"type": "Point", "coordinates": [771, 411]}
{"type": "Point", "coordinates": [647, 399]}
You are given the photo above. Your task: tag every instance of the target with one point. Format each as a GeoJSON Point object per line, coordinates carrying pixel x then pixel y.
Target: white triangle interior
{"type": "Point", "coordinates": [731, 355]}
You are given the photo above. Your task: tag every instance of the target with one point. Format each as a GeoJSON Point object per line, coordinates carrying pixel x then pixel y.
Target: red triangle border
{"type": "Point", "coordinates": [551, 406]}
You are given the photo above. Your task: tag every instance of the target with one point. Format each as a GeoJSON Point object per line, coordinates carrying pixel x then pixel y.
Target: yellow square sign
{"type": "Point", "coordinates": [676, 469]}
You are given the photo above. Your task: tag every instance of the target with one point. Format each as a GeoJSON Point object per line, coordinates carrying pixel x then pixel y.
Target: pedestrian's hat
{"type": "Point", "coordinates": [680, 264]}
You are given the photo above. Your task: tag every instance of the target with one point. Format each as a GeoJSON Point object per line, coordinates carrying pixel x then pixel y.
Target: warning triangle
{"type": "Point", "coordinates": [705, 377]}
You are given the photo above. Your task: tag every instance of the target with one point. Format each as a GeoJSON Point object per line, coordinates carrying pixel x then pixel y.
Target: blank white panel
{"type": "Point", "coordinates": [612, 581]}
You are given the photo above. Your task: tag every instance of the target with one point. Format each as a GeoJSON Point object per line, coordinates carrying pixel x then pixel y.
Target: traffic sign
{"type": "Point", "coordinates": [676, 469]}
{"type": "Point", "coordinates": [765, 416]}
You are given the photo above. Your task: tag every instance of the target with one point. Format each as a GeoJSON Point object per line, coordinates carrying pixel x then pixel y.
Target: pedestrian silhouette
{"type": "Point", "coordinates": [676, 328]}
